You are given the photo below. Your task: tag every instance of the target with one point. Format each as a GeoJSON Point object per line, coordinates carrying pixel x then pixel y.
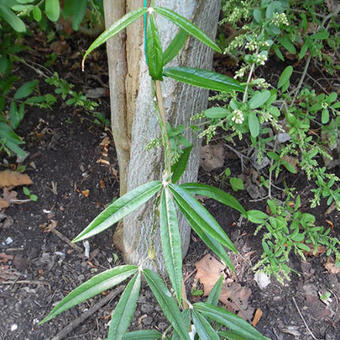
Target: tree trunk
{"type": "Point", "coordinates": [134, 122]}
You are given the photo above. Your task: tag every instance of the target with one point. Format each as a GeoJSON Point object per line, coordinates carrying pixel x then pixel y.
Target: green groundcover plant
{"type": "Point", "coordinates": [203, 320]}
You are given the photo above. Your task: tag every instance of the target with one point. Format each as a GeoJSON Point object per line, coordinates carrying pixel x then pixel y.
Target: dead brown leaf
{"type": "Point", "coordinates": [47, 228]}
{"type": "Point", "coordinates": [209, 271]}
{"type": "Point", "coordinates": [331, 267]}
{"type": "Point", "coordinates": [233, 295]}
{"type": "Point", "coordinates": [236, 297]}
{"type": "Point", "coordinates": [12, 179]}
{"type": "Point", "coordinates": [85, 193]}
{"type": "Point", "coordinates": [3, 204]}
{"type": "Point", "coordinates": [212, 157]}
{"type": "Point", "coordinates": [257, 317]}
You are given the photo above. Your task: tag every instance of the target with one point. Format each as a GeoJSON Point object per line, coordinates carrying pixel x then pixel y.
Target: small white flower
{"type": "Point", "coordinates": [150, 10]}
{"type": "Point", "coordinates": [237, 117]}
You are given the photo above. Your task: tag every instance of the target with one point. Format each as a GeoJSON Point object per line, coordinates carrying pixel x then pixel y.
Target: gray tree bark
{"type": "Point", "coordinates": [134, 122]}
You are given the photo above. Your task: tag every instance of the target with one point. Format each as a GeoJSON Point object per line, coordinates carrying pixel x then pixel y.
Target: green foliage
{"type": "Point", "coordinates": [28, 193]}
{"type": "Point", "coordinates": [288, 230]}
{"type": "Point", "coordinates": [169, 198]}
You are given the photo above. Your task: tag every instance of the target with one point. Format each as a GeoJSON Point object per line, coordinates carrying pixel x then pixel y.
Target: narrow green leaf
{"type": "Point", "coordinates": [92, 287]}
{"type": "Point", "coordinates": [203, 218]}
{"type": "Point", "coordinates": [203, 78]}
{"type": "Point", "coordinates": [154, 50]}
{"type": "Point", "coordinates": [78, 15]}
{"type": "Point", "coordinates": [285, 76]}
{"type": "Point", "coordinates": [167, 303]}
{"type": "Point", "coordinates": [325, 116]}
{"type": "Point", "coordinates": [236, 184]}
{"type": "Point", "coordinates": [290, 167]}
{"type": "Point", "coordinates": [179, 167]}
{"type": "Point", "coordinates": [259, 99]}
{"type": "Point", "coordinates": [229, 335]}
{"type": "Point", "coordinates": [257, 216]}
{"type": "Point", "coordinates": [287, 44]}
{"type": "Point", "coordinates": [37, 15]}
{"type": "Point", "coordinates": [125, 309]}
{"type": "Point", "coordinates": [278, 53]}
{"type": "Point", "coordinates": [203, 327]}
{"type": "Point", "coordinates": [230, 320]}
{"type": "Point", "coordinates": [143, 335]}
{"type": "Point", "coordinates": [321, 35]}
{"type": "Point", "coordinates": [119, 209]}
{"type": "Point", "coordinates": [187, 26]}
{"type": "Point", "coordinates": [216, 112]}
{"type": "Point", "coordinates": [12, 19]}
{"type": "Point", "coordinates": [254, 124]}
{"type": "Point", "coordinates": [216, 194]}
{"type": "Point", "coordinates": [118, 26]}
{"type": "Point", "coordinates": [215, 293]}
{"type": "Point", "coordinates": [26, 89]}
{"type": "Point", "coordinates": [186, 316]}
{"type": "Point", "coordinates": [15, 115]}
{"type": "Point", "coordinates": [303, 247]}
{"type": "Point", "coordinates": [52, 9]}
{"type": "Point", "coordinates": [171, 242]}
{"type": "Point", "coordinates": [175, 46]}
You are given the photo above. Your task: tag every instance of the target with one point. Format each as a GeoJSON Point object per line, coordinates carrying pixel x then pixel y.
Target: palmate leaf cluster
{"type": "Point", "coordinates": [172, 198]}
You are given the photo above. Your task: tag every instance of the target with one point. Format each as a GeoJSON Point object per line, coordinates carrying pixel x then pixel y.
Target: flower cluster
{"type": "Point", "coordinates": [237, 117]}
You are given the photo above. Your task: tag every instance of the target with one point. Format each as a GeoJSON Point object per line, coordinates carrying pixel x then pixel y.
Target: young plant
{"type": "Point", "coordinates": [171, 197]}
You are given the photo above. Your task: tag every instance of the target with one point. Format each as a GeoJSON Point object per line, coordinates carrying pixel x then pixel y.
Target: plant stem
{"type": "Point", "coordinates": [245, 95]}
{"type": "Point", "coordinates": [162, 123]}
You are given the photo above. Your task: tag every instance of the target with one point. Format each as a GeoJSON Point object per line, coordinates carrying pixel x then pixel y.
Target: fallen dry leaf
{"type": "Point", "coordinates": [233, 295]}
{"type": "Point", "coordinates": [209, 271]}
{"type": "Point", "coordinates": [12, 179]}
{"type": "Point", "coordinates": [212, 157]}
{"type": "Point", "coordinates": [236, 297]}
{"type": "Point", "coordinates": [47, 228]}
{"type": "Point", "coordinates": [331, 267]}
{"type": "Point", "coordinates": [3, 204]}
{"type": "Point", "coordinates": [257, 317]}
{"type": "Point", "coordinates": [102, 183]}
{"type": "Point", "coordinates": [85, 193]}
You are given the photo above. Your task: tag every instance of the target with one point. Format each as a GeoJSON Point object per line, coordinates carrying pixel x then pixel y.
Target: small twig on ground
{"type": "Point", "coordinates": [66, 240]}
{"type": "Point", "coordinates": [33, 282]}
{"type": "Point", "coordinates": [239, 155]}
{"type": "Point", "coordinates": [75, 323]}
{"type": "Point", "coordinates": [303, 319]}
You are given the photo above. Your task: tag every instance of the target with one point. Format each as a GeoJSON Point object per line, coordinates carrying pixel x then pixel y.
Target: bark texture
{"type": "Point", "coordinates": [134, 122]}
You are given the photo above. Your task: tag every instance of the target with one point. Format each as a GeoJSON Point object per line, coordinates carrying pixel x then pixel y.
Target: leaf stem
{"type": "Point", "coordinates": [162, 122]}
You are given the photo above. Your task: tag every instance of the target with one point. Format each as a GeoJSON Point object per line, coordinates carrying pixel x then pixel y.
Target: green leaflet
{"type": "Point", "coordinates": [230, 320]}
{"type": "Point", "coordinates": [216, 112]}
{"type": "Point", "coordinates": [167, 303]}
{"type": "Point", "coordinates": [179, 167]}
{"type": "Point", "coordinates": [175, 46]}
{"type": "Point", "coordinates": [187, 26]}
{"type": "Point", "coordinates": [259, 99]}
{"type": "Point", "coordinates": [285, 76]}
{"type": "Point", "coordinates": [13, 20]}
{"type": "Point", "coordinates": [203, 78]}
{"type": "Point", "coordinates": [254, 124]}
{"type": "Point", "coordinates": [92, 287]}
{"type": "Point", "coordinates": [191, 207]}
{"type": "Point", "coordinates": [26, 89]}
{"type": "Point", "coordinates": [52, 9]}
{"type": "Point", "coordinates": [203, 327]}
{"type": "Point", "coordinates": [119, 209]}
{"type": "Point", "coordinates": [154, 50]}
{"type": "Point", "coordinates": [119, 25]}
{"type": "Point", "coordinates": [214, 193]}
{"type": "Point", "coordinates": [215, 293]}
{"type": "Point", "coordinates": [125, 309]}
{"type": "Point", "coordinates": [171, 242]}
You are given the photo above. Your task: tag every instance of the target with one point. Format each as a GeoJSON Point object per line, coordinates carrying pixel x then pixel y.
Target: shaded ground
{"type": "Point", "coordinates": [40, 267]}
